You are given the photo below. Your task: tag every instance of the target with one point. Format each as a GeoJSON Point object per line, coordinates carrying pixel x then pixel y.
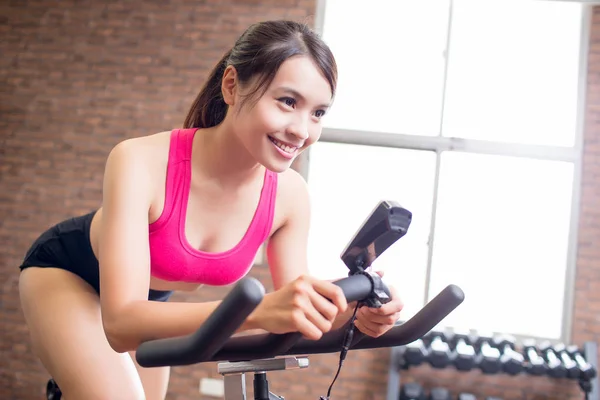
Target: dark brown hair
{"type": "Point", "coordinates": [259, 52]}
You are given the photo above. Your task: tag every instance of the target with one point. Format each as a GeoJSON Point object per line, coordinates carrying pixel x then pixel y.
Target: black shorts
{"type": "Point", "coordinates": [67, 245]}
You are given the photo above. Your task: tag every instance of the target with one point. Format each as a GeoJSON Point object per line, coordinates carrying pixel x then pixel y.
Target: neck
{"type": "Point", "coordinates": [220, 156]}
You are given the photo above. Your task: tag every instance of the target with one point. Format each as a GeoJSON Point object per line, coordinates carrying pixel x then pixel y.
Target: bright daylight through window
{"type": "Point", "coordinates": [473, 127]}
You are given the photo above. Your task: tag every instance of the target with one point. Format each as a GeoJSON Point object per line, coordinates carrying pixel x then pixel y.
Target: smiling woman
{"type": "Point", "coordinates": [283, 86]}
{"type": "Point", "coordinates": [187, 207]}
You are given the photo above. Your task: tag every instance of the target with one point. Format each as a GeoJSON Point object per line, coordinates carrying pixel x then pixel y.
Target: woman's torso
{"type": "Point", "coordinates": [216, 219]}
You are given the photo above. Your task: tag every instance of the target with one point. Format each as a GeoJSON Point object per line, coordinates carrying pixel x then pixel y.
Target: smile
{"type": "Point", "coordinates": [283, 146]}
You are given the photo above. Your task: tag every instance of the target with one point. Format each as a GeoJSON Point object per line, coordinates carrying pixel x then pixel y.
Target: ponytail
{"type": "Point", "coordinates": [209, 108]}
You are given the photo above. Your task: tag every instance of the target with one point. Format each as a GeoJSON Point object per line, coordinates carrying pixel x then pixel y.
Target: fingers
{"type": "Point", "coordinates": [314, 314]}
{"type": "Point", "coordinates": [320, 311]}
{"type": "Point", "coordinates": [394, 306]}
{"type": "Point", "coordinates": [361, 326]}
{"type": "Point", "coordinates": [317, 303]}
{"type": "Point", "coordinates": [308, 329]}
{"type": "Point", "coordinates": [372, 316]}
{"type": "Point", "coordinates": [374, 325]}
{"type": "Point", "coordinates": [325, 307]}
{"type": "Point", "coordinates": [377, 321]}
{"type": "Point", "coordinates": [332, 292]}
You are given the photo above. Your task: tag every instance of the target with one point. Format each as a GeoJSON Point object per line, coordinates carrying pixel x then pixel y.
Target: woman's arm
{"type": "Point", "coordinates": [288, 246]}
{"type": "Point", "coordinates": [124, 255]}
{"type": "Point", "coordinates": [287, 257]}
{"type": "Point", "coordinates": [130, 319]}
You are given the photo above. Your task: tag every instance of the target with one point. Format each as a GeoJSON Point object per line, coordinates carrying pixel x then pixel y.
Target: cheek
{"type": "Point", "coordinates": [262, 119]}
{"type": "Point", "coordinates": [248, 126]}
{"type": "Point", "coordinates": [272, 120]}
{"type": "Point", "coordinates": [314, 134]}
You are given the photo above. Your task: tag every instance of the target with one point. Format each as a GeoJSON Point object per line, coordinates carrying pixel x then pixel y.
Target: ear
{"type": "Point", "coordinates": [229, 85]}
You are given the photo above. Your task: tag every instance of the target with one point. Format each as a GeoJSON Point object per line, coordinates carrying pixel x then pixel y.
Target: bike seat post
{"type": "Point", "coordinates": [261, 387]}
{"type": "Point", "coordinates": [235, 386]}
{"type": "Point", "coordinates": [235, 378]}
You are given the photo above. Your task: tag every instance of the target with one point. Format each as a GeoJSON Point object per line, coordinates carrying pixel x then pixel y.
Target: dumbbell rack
{"type": "Point", "coordinates": [590, 387]}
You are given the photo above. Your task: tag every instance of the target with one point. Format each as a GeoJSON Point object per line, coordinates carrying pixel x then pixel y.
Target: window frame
{"type": "Point", "coordinates": [440, 144]}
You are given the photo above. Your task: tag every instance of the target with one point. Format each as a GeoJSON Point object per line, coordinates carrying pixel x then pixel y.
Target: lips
{"type": "Point", "coordinates": [288, 148]}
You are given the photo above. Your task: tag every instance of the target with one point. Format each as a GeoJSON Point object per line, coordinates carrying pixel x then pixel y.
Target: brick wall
{"type": "Point", "coordinates": [77, 77]}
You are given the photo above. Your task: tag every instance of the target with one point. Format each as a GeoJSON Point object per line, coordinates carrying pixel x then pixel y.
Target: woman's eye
{"type": "Point", "coordinates": [288, 101]}
{"type": "Point", "coordinates": [319, 113]}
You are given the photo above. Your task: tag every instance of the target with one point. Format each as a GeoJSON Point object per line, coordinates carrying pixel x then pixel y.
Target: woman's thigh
{"type": "Point", "coordinates": [63, 315]}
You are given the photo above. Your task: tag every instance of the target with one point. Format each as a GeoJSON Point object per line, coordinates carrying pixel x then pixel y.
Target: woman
{"type": "Point", "coordinates": [188, 207]}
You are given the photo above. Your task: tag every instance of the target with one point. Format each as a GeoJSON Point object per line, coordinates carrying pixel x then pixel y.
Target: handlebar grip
{"type": "Point", "coordinates": [355, 288]}
{"type": "Point", "coordinates": [422, 322]}
{"type": "Point", "coordinates": [416, 327]}
{"type": "Point", "coordinates": [210, 337]}
{"type": "Point", "coordinates": [259, 346]}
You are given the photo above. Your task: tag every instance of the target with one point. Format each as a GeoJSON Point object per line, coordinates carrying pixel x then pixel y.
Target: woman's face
{"type": "Point", "coordinates": [287, 118]}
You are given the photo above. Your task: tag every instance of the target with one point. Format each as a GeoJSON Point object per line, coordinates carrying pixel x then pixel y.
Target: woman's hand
{"type": "Point", "coordinates": [375, 322]}
{"type": "Point", "coordinates": [306, 305]}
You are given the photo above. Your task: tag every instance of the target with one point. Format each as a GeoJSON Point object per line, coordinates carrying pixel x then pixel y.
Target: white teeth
{"type": "Point", "coordinates": [283, 147]}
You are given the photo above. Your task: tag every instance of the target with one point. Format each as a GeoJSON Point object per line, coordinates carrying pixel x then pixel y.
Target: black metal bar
{"type": "Point", "coordinates": [210, 337]}
{"type": "Point", "coordinates": [257, 346]}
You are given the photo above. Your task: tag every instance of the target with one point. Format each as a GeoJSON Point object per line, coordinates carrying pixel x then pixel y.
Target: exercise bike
{"type": "Point", "coordinates": [261, 353]}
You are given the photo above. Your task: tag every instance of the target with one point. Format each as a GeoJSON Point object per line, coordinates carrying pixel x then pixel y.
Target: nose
{"type": "Point", "coordinates": [299, 127]}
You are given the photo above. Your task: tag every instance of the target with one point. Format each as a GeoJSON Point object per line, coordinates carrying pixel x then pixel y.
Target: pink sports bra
{"type": "Point", "coordinates": [172, 257]}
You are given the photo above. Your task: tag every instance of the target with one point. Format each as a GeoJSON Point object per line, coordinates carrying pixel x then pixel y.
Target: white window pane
{"type": "Point", "coordinates": [346, 183]}
{"type": "Point", "coordinates": [513, 71]}
{"type": "Point", "coordinates": [390, 56]}
{"type": "Point", "coordinates": [502, 230]}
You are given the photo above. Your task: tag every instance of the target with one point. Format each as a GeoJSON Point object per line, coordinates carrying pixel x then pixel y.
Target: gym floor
{"type": "Point", "coordinates": [61, 113]}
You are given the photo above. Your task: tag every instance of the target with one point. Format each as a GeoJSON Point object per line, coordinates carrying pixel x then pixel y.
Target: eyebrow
{"type": "Point", "coordinates": [297, 94]}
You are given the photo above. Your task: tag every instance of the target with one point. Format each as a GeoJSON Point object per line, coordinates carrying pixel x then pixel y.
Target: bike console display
{"type": "Point", "coordinates": [387, 223]}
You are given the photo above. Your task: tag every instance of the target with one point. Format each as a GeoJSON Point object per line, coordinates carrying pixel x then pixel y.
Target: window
{"type": "Point", "coordinates": [502, 234]}
{"type": "Point", "coordinates": [346, 182]}
{"type": "Point", "coordinates": [476, 129]}
{"type": "Point", "coordinates": [383, 69]}
{"type": "Point", "coordinates": [514, 85]}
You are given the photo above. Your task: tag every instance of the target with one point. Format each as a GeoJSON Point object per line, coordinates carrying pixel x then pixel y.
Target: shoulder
{"type": "Point", "coordinates": [137, 162]}
{"type": "Point", "coordinates": [293, 195]}
{"type": "Point", "coordinates": [143, 146]}
{"type": "Point", "coordinates": [292, 186]}
{"type": "Point", "coordinates": [144, 151]}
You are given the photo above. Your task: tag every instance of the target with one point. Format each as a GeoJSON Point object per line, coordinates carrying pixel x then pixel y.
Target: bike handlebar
{"type": "Point", "coordinates": [213, 342]}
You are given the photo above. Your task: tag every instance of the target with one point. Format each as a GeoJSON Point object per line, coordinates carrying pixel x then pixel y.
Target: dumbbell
{"type": "Point", "coordinates": [438, 349]}
{"type": "Point", "coordinates": [571, 366]}
{"type": "Point", "coordinates": [439, 393]}
{"type": "Point", "coordinates": [462, 355]}
{"type": "Point", "coordinates": [586, 370]}
{"type": "Point", "coordinates": [511, 360]}
{"type": "Point", "coordinates": [414, 353]}
{"type": "Point", "coordinates": [535, 364]}
{"type": "Point", "coordinates": [556, 368]}
{"type": "Point", "coordinates": [488, 357]}
{"type": "Point", "coordinates": [412, 391]}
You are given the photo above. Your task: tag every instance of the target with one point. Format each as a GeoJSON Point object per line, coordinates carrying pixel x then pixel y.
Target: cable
{"type": "Point", "coordinates": [344, 351]}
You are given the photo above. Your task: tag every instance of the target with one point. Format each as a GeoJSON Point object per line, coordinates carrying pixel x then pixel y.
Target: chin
{"type": "Point", "coordinates": [277, 167]}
